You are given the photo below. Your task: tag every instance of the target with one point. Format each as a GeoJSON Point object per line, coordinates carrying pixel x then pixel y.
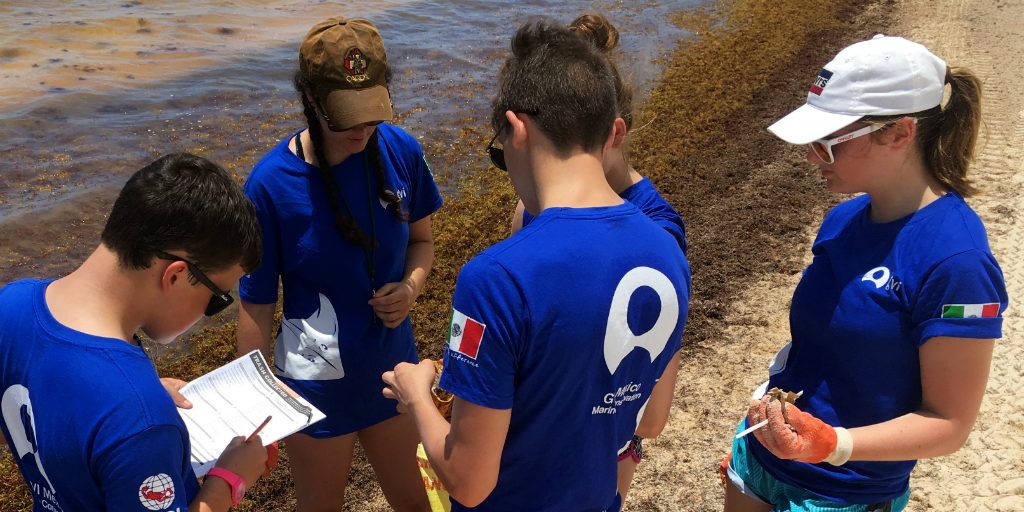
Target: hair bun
{"type": "Point", "coordinates": [597, 29]}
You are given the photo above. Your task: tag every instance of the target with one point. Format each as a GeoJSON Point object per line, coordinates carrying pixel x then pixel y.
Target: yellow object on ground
{"type": "Point", "coordinates": [436, 493]}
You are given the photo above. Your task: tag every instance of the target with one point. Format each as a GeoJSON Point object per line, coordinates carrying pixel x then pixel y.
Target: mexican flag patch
{"type": "Point", "coordinates": [465, 334]}
{"type": "Point", "coordinates": [970, 310]}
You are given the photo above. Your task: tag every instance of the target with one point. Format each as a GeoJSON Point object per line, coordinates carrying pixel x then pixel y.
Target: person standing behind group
{"type": "Point", "coordinates": [559, 334]}
{"type": "Point", "coordinates": [894, 321]}
{"type": "Point", "coordinates": [622, 177]}
{"type": "Point", "coordinates": [345, 209]}
{"type": "Point", "coordinates": [84, 413]}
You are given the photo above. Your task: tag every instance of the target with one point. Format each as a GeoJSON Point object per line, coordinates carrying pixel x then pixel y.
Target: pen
{"type": "Point", "coordinates": [257, 431]}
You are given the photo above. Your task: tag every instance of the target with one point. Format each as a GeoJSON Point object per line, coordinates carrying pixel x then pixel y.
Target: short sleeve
{"type": "Point", "coordinates": [963, 297]}
{"type": "Point", "coordinates": [485, 335]}
{"type": "Point", "coordinates": [148, 471]}
{"type": "Point", "coordinates": [425, 197]}
{"type": "Point", "coordinates": [260, 287]}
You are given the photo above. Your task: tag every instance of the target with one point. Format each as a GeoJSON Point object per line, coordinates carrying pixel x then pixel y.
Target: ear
{"type": "Point", "coordinates": [618, 135]}
{"type": "Point", "coordinates": [902, 133]}
{"type": "Point", "coordinates": [519, 133]}
{"type": "Point", "coordinates": [175, 271]}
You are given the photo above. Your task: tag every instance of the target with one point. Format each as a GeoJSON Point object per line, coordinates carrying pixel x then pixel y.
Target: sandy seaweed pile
{"type": "Point", "coordinates": [745, 64]}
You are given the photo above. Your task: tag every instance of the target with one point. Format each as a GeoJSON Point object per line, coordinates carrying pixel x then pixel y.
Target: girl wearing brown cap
{"type": "Point", "coordinates": [345, 209]}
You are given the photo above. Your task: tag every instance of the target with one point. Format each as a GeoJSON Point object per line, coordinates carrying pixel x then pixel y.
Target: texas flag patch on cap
{"type": "Point", "coordinates": [821, 81]}
{"type": "Point", "coordinates": [465, 334]}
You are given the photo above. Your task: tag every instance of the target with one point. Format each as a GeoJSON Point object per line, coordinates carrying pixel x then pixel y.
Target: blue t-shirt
{"type": "Point", "coordinates": [872, 296]}
{"type": "Point", "coordinates": [645, 197]}
{"type": "Point", "coordinates": [550, 323]}
{"type": "Point", "coordinates": [86, 418]}
{"type": "Point", "coordinates": [330, 347]}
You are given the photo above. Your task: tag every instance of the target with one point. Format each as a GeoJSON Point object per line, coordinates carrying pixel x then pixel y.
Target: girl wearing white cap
{"type": "Point", "coordinates": [344, 207]}
{"type": "Point", "coordinates": [894, 322]}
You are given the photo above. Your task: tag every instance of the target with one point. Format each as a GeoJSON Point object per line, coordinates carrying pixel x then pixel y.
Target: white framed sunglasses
{"type": "Point", "coordinates": [823, 147]}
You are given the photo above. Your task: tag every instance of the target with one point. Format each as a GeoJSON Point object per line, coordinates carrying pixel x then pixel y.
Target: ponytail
{"type": "Point", "coordinates": [948, 138]}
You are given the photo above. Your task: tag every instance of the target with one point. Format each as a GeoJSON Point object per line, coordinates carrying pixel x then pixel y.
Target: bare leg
{"type": "Point", "coordinates": [320, 468]}
{"type": "Point", "coordinates": [736, 501]}
{"type": "Point", "coordinates": [391, 448]}
{"type": "Point", "coordinates": [627, 467]}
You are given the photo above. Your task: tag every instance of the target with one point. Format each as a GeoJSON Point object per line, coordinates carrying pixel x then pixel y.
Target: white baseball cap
{"type": "Point", "coordinates": [882, 76]}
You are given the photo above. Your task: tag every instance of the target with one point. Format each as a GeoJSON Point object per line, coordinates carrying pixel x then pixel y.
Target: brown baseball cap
{"type": "Point", "coordinates": [346, 62]}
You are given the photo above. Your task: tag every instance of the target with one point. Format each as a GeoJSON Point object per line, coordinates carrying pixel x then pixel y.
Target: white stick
{"type": "Point", "coordinates": [751, 429]}
{"type": "Point", "coordinates": [759, 425]}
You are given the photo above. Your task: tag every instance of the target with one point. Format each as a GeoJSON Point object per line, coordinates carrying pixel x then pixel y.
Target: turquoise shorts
{"type": "Point", "coordinates": [748, 476]}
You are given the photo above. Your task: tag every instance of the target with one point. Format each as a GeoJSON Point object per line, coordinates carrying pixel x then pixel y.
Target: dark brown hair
{"type": "Point", "coordinates": [562, 81]}
{"type": "Point", "coordinates": [947, 135]}
{"type": "Point", "coordinates": [598, 30]}
{"type": "Point", "coordinates": [184, 202]}
{"type": "Point", "coordinates": [348, 227]}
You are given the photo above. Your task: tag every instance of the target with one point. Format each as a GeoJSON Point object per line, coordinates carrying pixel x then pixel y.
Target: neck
{"type": "Point", "coordinates": [910, 188]}
{"type": "Point", "coordinates": [335, 153]}
{"type": "Point", "coordinates": [98, 298]}
{"type": "Point", "coordinates": [621, 175]}
{"type": "Point", "coordinates": [574, 182]}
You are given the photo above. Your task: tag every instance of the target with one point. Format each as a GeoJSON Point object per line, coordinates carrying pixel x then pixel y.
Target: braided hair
{"type": "Point", "coordinates": [347, 226]}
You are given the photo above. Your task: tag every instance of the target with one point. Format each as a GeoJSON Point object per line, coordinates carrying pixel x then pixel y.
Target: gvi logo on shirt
{"type": "Point", "coordinates": [880, 277]}
{"type": "Point", "coordinates": [619, 339]}
{"type": "Point", "coordinates": [157, 492]}
{"type": "Point", "coordinates": [17, 413]}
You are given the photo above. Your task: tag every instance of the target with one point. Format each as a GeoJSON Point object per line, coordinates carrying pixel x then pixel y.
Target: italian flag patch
{"type": "Point", "coordinates": [465, 334]}
{"type": "Point", "coordinates": [970, 310]}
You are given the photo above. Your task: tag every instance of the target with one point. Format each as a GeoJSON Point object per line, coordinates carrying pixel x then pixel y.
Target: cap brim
{"type": "Point", "coordinates": [808, 124]}
{"type": "Point", "coordinates": [350, 107]}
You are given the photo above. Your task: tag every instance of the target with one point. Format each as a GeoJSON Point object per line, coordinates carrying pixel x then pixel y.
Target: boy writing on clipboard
{"type": "Point", "coordinates": [84, 413]}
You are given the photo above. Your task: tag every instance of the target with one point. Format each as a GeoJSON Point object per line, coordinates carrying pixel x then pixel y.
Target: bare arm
{"type": "Point", "coordinates": [465, 455]}
{"type": "Point", "coordinates": [954, 373]}
{"type": "Point", "coordinates": [656, 414]}
{"type": "Point", "coordinates": [517, 217]}
{"type": "Point", "coordinates": [255, 323]}
{"type": "Point", "coordinates": [393, 301]}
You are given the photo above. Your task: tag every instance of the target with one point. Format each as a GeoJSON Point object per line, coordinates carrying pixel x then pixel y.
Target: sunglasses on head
{"type": "Point", "coordinates": [823, 147]}
{"type": "Point", "coordinates": [498, 154]}
{"type": "Point", "coordinates": [218, 301]}
{"type": "Point", "coordinates": [332, 127]}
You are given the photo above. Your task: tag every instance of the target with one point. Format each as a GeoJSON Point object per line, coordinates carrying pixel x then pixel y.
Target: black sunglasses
{"type": "Point", "coordinates": [218, 301]}
{"type": "Point", "coordinates": [498, 154]}
{"type": "Point", "coordinates": [332, 127]}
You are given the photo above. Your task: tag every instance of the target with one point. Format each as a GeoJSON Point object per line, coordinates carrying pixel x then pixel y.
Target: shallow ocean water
{"type": "Point", "coordinates": [92, 91]}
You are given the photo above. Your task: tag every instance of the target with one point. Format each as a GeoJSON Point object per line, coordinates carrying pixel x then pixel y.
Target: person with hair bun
{"type": "Point", "coordinates": [548, 374]}
{"type": "Point", "coordinates": [622, 177]}
{"type": "Point", "coordinates": [894, 322]}
{"type": "Point", "coordinates": [345, 207]}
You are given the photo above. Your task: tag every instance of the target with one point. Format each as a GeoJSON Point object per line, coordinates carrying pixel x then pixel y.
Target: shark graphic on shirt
{"type": "Point", "coordinates": [307, 348]}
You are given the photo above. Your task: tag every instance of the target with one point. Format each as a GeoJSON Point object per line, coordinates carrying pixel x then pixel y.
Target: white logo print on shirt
{"type": "Point", "coordinates": [619, 339]}
{"type": "Point", "coordinates": [17, 408]}
{"type": "Point", "coordinates": [307, 349]}
{"type": "Point", "coordinates": [880, 280]}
